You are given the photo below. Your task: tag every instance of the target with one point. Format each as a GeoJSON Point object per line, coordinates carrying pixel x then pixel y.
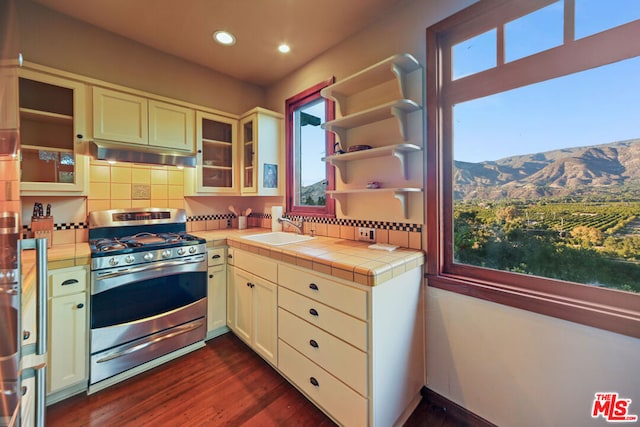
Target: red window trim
{"type": "Point", "coordinates": [290, 105]}
{"type": "Point", "coordinates": [606, 309]}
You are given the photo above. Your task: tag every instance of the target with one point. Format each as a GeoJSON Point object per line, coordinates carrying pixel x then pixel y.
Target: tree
{"type": "Point", "coordinates": [587, 236]}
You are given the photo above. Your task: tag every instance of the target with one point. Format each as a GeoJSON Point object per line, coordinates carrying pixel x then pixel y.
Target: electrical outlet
{"type": "Point", "coordinates": [367, 234]}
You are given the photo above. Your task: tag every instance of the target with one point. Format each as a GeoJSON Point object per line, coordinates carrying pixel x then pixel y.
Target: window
{"type": "Point", "coordinates": [308, 176]}
{"type": "Point", "coordinates": [533, 185]}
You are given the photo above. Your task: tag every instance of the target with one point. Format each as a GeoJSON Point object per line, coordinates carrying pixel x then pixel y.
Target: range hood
{"type": "Point", "coordinates": [107, 150]}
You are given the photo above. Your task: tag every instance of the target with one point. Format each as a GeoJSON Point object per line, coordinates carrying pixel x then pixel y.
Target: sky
{"type": "Point", "coordinates": [596, 106]}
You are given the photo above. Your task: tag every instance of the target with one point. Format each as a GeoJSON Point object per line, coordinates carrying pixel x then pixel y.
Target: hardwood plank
{"type": "Point", "coordinates": [224, 383]}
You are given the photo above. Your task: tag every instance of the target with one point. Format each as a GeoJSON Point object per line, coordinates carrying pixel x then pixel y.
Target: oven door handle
{"type": "Point", "coordinates": [179, 330]}
{"type": "Point", "coordinates": [148, 267]}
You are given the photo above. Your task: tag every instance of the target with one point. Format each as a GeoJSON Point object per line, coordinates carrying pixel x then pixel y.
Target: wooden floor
{"type": "Point", "coordinates": [224, 383]}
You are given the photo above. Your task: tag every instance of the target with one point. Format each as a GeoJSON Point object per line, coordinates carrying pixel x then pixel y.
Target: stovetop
{"type": "Point", "coordinates": [142, 241]}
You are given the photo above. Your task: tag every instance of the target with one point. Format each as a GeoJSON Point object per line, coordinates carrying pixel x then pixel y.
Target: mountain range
{"type": "Point", "coordinates": [612, 168]}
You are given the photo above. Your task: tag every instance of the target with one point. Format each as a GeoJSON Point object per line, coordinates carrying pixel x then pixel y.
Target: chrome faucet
{"type": "Point", "coordinates": [296, 226]}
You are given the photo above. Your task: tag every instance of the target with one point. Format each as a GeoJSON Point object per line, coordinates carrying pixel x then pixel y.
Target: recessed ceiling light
{"type": "Point", "coordinates": [224, 37]}
{"type": "Point", "coordinates": [284, 48]}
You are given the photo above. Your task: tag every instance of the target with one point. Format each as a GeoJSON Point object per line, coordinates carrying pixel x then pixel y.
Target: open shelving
{"type": "Point", "coordinates": [399, 151]}
{"type": "Point", "coordinates": [399, 193]}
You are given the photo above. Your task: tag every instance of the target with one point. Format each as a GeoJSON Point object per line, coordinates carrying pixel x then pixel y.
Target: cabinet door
{"type": "Point", "coordinates": [52, 123]}
{"type": "Point", "coordinates": [119, 116]}
{"type": "Point", "coordinates": [217, 298]}
{"type": "Point", "coordinates": [249, 172]}
{"type": "Point", "coordinates": [265, 320]}
{"type": "Point", "coordinates": [231, 297]}
{"type": "Point", "coordinates": [216, 153]}
{"type": "Point", "coordinates": [171, 126]}
{"type": "Point", "coordinates": [243, 307]}
{"type": "Point", "coordinates": [67, 341]}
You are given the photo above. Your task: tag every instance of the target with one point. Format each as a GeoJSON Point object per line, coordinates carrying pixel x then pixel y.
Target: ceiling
{"type": "Point", "coordinates": [185, 28]}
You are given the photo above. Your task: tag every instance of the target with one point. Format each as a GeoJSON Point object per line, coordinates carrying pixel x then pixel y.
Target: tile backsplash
{"type": "Point", "coordinates": [122, 185]}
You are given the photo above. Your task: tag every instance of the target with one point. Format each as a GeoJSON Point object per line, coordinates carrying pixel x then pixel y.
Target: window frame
{"type": "Point", "coordinates": [291, 104]}
{"type": "Point", "coordinates": [612, 310]}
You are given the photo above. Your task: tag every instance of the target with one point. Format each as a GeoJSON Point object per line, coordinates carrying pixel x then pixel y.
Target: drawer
{"type": "Point", "coordinates": [340, 359]}
{"type": "Point", "coordinates": [342, 297]}
{"type": "Point", "coordinates": [216, 256]}
{"type": "Point", "coordinates": [256, 264]}
{"type": "Point", "coordinates": [68, 281]}
{"type": "Point", "coordinates": [343, 404]}
{"type": "Point", "coordinates": [336, 323]}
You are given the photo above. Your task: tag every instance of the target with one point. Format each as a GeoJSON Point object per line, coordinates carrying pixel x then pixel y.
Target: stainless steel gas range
{"type": "Point", "coordinates": [148, 289]}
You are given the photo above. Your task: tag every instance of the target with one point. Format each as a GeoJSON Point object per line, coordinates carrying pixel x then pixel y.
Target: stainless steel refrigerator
{"type": "Point", "coordinates": [23, 317]}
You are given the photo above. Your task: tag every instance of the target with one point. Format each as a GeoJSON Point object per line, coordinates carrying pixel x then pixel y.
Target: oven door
{"type": "Point", "coordinates": [130, 303]}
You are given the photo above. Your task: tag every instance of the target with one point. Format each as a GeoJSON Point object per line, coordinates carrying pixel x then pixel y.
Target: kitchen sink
{"type": "Point", "coordinates": [277, 238]}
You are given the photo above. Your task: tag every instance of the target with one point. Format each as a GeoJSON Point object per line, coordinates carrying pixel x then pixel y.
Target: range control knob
{"type": "Point", "coordinates": [166, 253]}
{"type": "Point", "coordinates": [114, 261]}
{"type": "Point", "coordinates": [129, 259]}
{"type": "Point", "coordinates": [182, 251]}
{"type": "Point", "coordinates": [192, 250]}
{"type": "Point", "coordinates": [148, 256]}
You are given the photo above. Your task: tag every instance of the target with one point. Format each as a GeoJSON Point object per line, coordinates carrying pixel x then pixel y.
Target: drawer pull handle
{"type": "Point", "coordinates": [313, 312]}
{"type": "Point", "coordinates": [69, 282]}
{"type": "Point", "coordinates": [80, 305]}
{"type": "Point", "coordinates": [314, 381]}
{"type": "Point", "coordinates": [313, 286]}
{"type": "Point", "coordinates": [216, 256]}
{"type": "Point", "coordinates": [314, 344]}
{"type": "Point", "coordinates": [251, 285]}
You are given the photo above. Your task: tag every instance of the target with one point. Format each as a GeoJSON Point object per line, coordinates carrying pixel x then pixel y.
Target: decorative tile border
{"type": "Point", "coordinates": [382, 225]}
{"type": "Point", "coordinates": [61, 226]}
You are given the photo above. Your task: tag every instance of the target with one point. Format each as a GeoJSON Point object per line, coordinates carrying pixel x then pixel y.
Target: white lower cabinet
{"type": "Point", "coordinates": [68, 327]}
{"type": "Point", "coordinates": [357, 352]}
{"type": "Point", "coordinates": [339, 401]}
{"type": "Point", "coordinates": [253, 312]}
{"type": "Point", "coordinates": [216, 292]}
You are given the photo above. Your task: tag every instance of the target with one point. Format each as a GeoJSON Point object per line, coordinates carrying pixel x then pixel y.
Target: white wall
{"type": "Point", "coordinates": [509, 366]}
{"type": "Point", "coordinates": [518, 368]}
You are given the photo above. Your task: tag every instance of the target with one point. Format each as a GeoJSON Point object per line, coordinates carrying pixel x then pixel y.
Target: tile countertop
{"type": "Point", "coordinates": [346, 259]}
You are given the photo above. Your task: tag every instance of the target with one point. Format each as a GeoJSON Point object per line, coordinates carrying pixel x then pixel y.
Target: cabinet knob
{"type": "Point", "coordinates": [230, 256]}
{"type": "Point", "coordinates": [199, 151]}
{"type": "Point", "coordinates": [211, 276]}
{"type": "Point", "coordinates": [314, 381]}
{"type": "Point", "coordinates": [79, 136]}
{"type": "Point", "coordinates": [313, 286]}
{"type": "Point", "coordinates": [80, 305]}
{"type": "Point", "coordinates": [251, 285]}
{"type": "Point", "coordinates": [313, 312]}
{"type": "Point", "coordinates": [26, 335]}
{"type": "Point", "coordinates": [314, 344]}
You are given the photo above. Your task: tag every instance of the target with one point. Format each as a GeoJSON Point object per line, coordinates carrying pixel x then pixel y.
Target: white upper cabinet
{"type": "Point", "coordinates": [133, 119]}
{"type": "Point", "coordinates": [170, 126]}
{"type": "Point", "coordinates": [217, 156]}
{"type": "Point", "coordinates": [52, 126]}
{"type": "Point", "coordinates": [261, 140]}
{"type": "Point", "coordinates": [120, 116]}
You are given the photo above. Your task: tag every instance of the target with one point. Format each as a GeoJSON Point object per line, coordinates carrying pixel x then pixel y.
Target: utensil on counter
{"type": "Point", "coordinates": [233, 210]}
{"type": "Point", "coordinates": [48, 209]}
{"type": "Point", "coordinates": [248, 212]}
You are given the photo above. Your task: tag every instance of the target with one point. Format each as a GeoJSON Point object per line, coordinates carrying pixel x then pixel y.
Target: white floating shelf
{"type": "Point", "coordinates": [400, 151]}
{"type": "Point", "coordinates": [395, 67]}
{"type": "Point", "coordinates": [398, 109]}
{"type": "Point", "coordinates": [399, 193]}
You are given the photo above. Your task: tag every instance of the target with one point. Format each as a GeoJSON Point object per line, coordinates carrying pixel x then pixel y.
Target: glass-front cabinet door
{"type": "Point", "coordinates": [52, 122]}
{"type": "Point", "coordinates": [247, 137]}
{"type": "Point", "coordinates": [216, 138]}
